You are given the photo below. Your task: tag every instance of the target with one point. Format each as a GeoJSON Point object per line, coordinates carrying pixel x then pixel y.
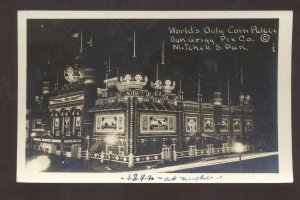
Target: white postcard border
{"type": "Point", "coordinates": [284, 97]}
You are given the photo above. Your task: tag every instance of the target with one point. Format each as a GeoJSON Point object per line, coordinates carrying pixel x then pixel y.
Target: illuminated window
{"type": "Point", "coordinates": [208, 124]}
{"type": "Point", "coordinates": [68, 133]}
{"type": "Point", "coordinates": [157, 124]}
{"type": "Point", "coordinates": [56, 123]}
{"type": "Point", "coordinates": [225, 125]}
{"type": "Point", "coordinates": [236, 125]}
{"type": "Point", "coordinates": [77, 121]}
{"type": "Point", "coordinates": [191, 125]}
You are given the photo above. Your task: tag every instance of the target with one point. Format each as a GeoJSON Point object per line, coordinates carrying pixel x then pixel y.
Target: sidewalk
{"type": "Point", "coordinates": [204, 163]}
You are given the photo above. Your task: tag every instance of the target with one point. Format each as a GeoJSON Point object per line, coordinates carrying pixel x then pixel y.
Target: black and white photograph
{"type": "Point", "coordinates": [154, 97]}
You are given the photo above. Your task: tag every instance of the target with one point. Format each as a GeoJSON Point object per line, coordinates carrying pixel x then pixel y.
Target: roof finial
{"type": "Point", "coordinates": [49, 60]}
{"type": "Point", "coordinates": [163, 53]}
{"type": "Point", "coordinates": [199, 86]}
{"type": "Point", "coordinates": [156, 71]}
{"type": "Point", "coordinates": [180, 85]}
{"type": "Point", "coordinates": [134, 55]}
{"type": "Point", "coordinates": [228, 92]}
{"type": "Point", "coordinates": [199, 89]}
{"type": "Point", "coordinates": [109, 63]}
{"type": "Point", "coordinates": [80, 40]}
{"type": "Point", "coordinates": [242, 80]}
{"type": "Point", "coordinates": [90, 42]}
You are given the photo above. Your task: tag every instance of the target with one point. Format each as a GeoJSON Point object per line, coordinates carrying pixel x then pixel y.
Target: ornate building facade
{"type": "Point", "coordinates": [133, 120]}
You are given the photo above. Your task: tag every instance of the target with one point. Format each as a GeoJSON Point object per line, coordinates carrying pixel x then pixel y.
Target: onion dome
{"type": "Point", "coordinates": [136, 81]}
{"type": "Point", "coordinates": [134, 78]}
{"type": "Point", "coordinates": [81, 71]}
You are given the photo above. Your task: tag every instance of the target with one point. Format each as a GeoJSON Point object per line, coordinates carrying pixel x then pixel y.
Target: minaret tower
{"type": "Point", "coordinates": [84, 73]}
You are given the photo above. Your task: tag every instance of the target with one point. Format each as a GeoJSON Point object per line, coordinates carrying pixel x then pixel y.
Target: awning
{"type": "Point", "coordinates": [109, 106]}
{"type": "Point", "coordinates": [141, 106]}
{"type": "Point", "coordinates": [157, 106]}
{"type": "Point", "coordinates": [211, 136]}
{"type": "Point", "coordinates": [94, 147]}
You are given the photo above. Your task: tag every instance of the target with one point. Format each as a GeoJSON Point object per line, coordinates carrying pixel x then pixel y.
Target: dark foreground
{"type": "Point", "coordinates": [258, 165]}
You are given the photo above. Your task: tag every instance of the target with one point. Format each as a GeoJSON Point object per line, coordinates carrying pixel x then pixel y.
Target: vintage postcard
{"type": "Point", "coordinates": [154, 96]}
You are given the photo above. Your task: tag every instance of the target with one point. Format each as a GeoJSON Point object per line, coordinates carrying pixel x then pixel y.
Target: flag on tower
{"type": "Point", "coordinates": [75, 35]}
{"type": "Point", "coordinates": [90, 42]}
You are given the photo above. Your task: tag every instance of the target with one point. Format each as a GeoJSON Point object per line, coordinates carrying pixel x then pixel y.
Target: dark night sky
{"type": "Point", "coordinates": [52, 38]}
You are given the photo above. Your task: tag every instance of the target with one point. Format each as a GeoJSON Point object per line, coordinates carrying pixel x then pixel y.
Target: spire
{"type": "Point", "coordinates": [199, 86]}
{"type": "Point", "coordinates": [242, 80]}
{"type": "Point", "coordinates": [134, 55]}
{"type": "Point", "coordinates": [228, 92]}
{"type": "Point", "coordinates": [218, 79]}
{"type": "Point", "coordinates": [163, 53]}
{"type": "Point", "coordinates": [108, 68]}
{"type": "Point", "coordinates": [46, 82]}
{"type": "Point", "coordinates": [80, 40]}
{"type": "Point", "coordinates": [199, 89]}
{"type": "Point", "coordinates": [180, 92]}
{"type": "Point", "coordinates": [180, 85]}
{"type": "Point", "coordinates": [90, 42]}
{"type": "Point", "coordinates": [156, 71]}
{"type": "Point", "coordinates": [56, 85]}
{"type": "Point", "coordinates": [57, 78]}
{"type": "Point", "coordinates": [46, 70]}
{"type": "Point", "coordinates": [106, 76]}
{"type": "Point", "coordinates": [109, 63]}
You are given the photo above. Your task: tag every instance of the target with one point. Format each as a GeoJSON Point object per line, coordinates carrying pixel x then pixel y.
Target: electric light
{"type": "Point", "coordinates": [111, 139]}
{"type": "Point", "coordinates": [39, 164]}
{"type": "Point", "coordinates": [238, 147]}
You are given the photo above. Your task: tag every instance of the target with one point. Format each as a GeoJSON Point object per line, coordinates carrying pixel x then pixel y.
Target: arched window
{"type": "Point", "coordinates": [65, 113]}
{"type": "Point", "coordinates": [55, 122]}
{"type": "Point", "coordinates": [66, 122]}
{"type": "Point", "coordinates": [77, 122]}
{"type": "Point", "coordinates": [77, 112]}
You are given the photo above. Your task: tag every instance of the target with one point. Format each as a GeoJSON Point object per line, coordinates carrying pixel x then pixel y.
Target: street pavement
{"type": "Point", "coordinates": [206, 162]}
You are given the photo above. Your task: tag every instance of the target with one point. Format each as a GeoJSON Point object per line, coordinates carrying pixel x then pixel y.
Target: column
{"type": "Point", "coordinates": [192, 150]}
{"type": "Point", "coordinates": [210, 149]}
{"type": "Point", "coordinates": [107, 149]}
{"type": "Point", "coordinates": [225, 148]}
{"type": "Point", "coordinates": [87, 118]}
{"type": "Point", "coordinates": [163, 152]}
{"type": "Point", "coordinates": [180, 122]}
{"type": "Point", "coordinates": [131, 108]}
{"type": "Point", "coordinates": [174, 152]}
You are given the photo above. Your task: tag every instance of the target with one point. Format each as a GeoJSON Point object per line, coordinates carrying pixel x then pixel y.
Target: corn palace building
{"type": "Point", "coordinates": [135, 120]}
